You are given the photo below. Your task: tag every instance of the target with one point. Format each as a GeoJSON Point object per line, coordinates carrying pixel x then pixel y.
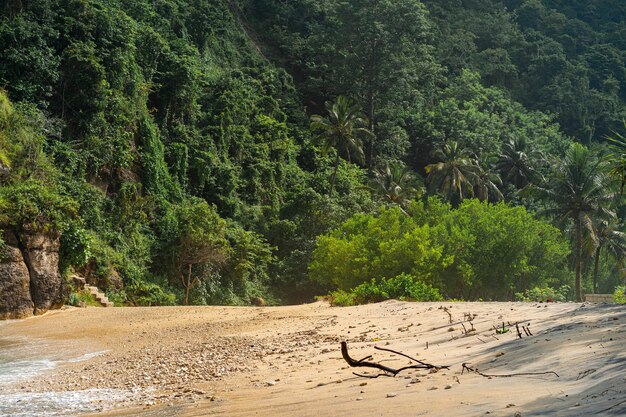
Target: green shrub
{"type": "Point", "coordinates": [75, 245]}
{"type": "Point", "coordinates": [619, 295]}
{"type": "Point", "coordinates": [402, 287]}
{"type": "Point", "coordinates": [83, 298]}
{"type": "Point", "coordinates": [73, 299]}
{"type": "Point", "coordinates": [478, 250]}
{"type": "Point", "coordinates": [543, 294]}
{"type": "Point", "coordinates": [118, 298]}
{"type": "Point", "coordinates": [140, 293]}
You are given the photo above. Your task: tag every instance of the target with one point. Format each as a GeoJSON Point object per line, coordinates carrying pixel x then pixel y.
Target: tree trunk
{"type": "Point", "coordinates": [578, 257]}
{"type": "Point", "coordinates": [370, 126]}
{"type": "Point", "coordinates": [187, 286]}
{"type": "Point", "coordinates": [332, 179]}
{"type": "Point", "coordinates": [595, 270]}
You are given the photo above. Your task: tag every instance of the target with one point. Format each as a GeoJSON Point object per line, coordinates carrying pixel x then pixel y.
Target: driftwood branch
{"type": "Point", "coordinates": [390, 372]}
{"type": "Point", "coordinates": [469, 369]}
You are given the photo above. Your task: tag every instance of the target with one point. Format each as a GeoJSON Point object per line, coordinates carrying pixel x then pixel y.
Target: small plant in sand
{"type": "Point", "coordinates": [619, 295]}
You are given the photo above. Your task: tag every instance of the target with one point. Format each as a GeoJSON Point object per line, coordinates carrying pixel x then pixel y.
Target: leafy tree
{"type": "Point", "coordinates": [201, 241]}
{"type": "Point", "coordinates": [376, 51]}
{"type": "Point", "coordinates": [476, 251]}
{"type": "Point", "coordinates": [368, 246]}
{"type": "Point", "coordinates": [499, 250]}
{"type": "Point", "coordinates": [341, 130]}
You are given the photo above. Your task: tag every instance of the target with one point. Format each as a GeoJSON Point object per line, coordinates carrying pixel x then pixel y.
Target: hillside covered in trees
{"type": "Point", "coordinates": [204, 151]}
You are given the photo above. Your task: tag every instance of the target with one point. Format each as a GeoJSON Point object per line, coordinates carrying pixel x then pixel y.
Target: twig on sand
{"type": "Point", "coordinates": [387, 371]}
{"type": "Point", "coordinates": [469, 369]}
{"type": "Point", "coordinates": [611, 407]}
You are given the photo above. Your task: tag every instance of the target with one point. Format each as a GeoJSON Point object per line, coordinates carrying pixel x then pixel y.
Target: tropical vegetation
{"type": "Point", "coordinates": [210, 152]}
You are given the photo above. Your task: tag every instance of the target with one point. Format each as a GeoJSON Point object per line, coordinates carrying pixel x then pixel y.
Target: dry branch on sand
{"type": "Point", "coordinates": [391, 372]}
{"type": "Point", "coordinates": [387, 370]}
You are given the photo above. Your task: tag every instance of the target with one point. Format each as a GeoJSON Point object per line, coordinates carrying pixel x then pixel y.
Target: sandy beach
{"type": "Point", "coordinates": [286, 361]}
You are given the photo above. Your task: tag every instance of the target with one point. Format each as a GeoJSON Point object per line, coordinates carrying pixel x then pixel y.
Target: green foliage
{"type": "Point", "coordinates": [545, 54]}
{"type": "Point", "coordinates": [403, 287]}
{"type": "Point", "coordinates": [545, 294]}
{"type": "Point", "coordinates": [82, 298]}
{"type": "Point", "coordinates": [140, 129]}
{"type": "Point", "coordinates": [35, 205]}
{"type": "Point", "coordinates": [396, 184]}
{"type": "Point", "coordinates": [118, 298]}
{"type": "Point", "coordinates": [75, 246]}
{"type": "Point", "coordinates": [619, 295]}
{"type": "Point", "coordinates": [476, 251]}
{"type": "Point", "coordinates": [141, 293]}
{"type": "Point", "coordinates": [577, 191]}
{"type": "Point", "coordinates": [380, 246]}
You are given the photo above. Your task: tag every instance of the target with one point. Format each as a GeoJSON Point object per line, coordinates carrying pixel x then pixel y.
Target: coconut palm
{"type": "Point", "coordinates": [487, 186]}
{"type": "Point", "coordinates": [617, 158]}
{"type": "Point", "coordinates": [516, 164]}
{"type": "Point", "coordinates": [396, 183]}
{"type": "Point", "coordinates": [456, 173]}
{"type": "Point", "coordinates": [578, 191]}
{"type": "Point", "coordinates": [341, 130]}
{"type": "Point", "coordinates": [609, 236]}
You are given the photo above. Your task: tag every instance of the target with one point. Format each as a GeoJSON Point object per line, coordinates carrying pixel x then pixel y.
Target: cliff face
{"type": "Point", "coordinates": [30, 282]}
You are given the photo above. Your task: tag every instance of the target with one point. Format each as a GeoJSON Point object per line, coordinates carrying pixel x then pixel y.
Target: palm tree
{"type": "Point", "coordinates": [609, 235]}
{"type": "Point", "coordinates": [341, 130]}
{"type": "Point", "coordinates": [487, 186]}
{"type": "Point", "coordinates": [617, 158]}
{"type": "Point", "coordinates": [396, 183]}
{"type": "Point", "coordinates": [577, 190]}
{"type": "Point", "coordinates": [456, 173]}
{"type": "Point", "coordinates": [516, 164]}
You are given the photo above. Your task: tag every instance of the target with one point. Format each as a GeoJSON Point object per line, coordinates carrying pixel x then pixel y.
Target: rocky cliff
{"type": "Point", "coordinates": [30, 282]}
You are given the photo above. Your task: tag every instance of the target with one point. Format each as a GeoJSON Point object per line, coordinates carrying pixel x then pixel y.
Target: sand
{"type": "Point", "coordinates": [286, 361]}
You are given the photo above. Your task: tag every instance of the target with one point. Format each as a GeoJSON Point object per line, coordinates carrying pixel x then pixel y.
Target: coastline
{"type": "Point", "coordinates": [283, 361]}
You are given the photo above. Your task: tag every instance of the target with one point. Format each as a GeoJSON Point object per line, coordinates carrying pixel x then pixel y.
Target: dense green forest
{"type": "Point", "coordinates": [214, 151]}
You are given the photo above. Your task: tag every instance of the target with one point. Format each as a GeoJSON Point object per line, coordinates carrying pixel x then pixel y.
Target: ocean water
{"type": "Point", "coordinates": [22, 359]}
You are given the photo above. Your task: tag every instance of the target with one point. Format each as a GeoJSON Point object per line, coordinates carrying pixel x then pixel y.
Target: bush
{"type": "Point", "coordinates": [619, 295]}
{"type": "Point", "coordinates": [75, 245]}
{"type": "Point", "coordinates": [402, 287]}
{"type": "Point", "coordinates": [477, 251]}
{"type": "Point", "coordinates": [544, 294]}
{"type": "Point", "coordinates": [141, 293]}
{"type": "Point", "coordinates": [118, 298]}
{"type": "Point", "coordinates": [82, 298]}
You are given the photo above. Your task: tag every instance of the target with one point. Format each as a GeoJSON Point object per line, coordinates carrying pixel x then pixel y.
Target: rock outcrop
{"type": "Point", "coordinates": [30, 282]}
{"type": "Point", "coordinates": [15, 299]}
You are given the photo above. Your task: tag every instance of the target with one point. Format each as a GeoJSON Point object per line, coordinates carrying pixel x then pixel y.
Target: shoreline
{"type": "Point", "coordinates": [193, 361]}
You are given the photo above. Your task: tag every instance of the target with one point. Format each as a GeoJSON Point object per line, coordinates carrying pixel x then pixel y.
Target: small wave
{"type": "Point", "coordinates": [87, 356]}
{"type": "Point", "coordinates": [18, 370]}
{"type": "Point", "coordinates": [57, 404]}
